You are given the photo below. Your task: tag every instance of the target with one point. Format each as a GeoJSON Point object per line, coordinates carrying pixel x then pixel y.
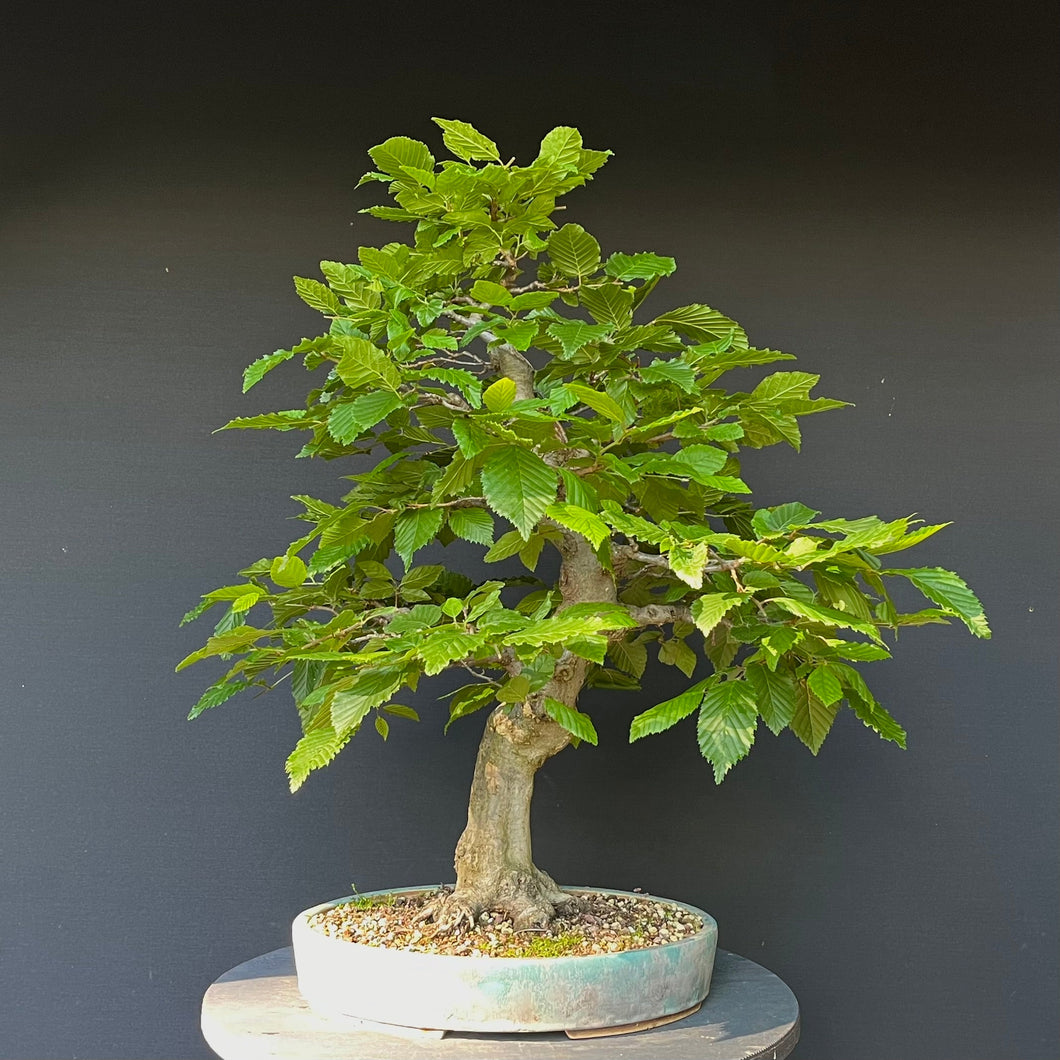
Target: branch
{"type": "Point", "coordinates": [508, 359]}
{"type": "Point", "coordinates": [658, 615]}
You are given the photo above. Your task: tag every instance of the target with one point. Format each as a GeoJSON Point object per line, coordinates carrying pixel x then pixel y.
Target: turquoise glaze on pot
{"type": "Point", "coordinates": [502, 994]}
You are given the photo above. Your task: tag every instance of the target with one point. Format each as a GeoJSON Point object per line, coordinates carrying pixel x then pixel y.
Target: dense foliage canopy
{"type": "Point", "coordinates": [517, 412]}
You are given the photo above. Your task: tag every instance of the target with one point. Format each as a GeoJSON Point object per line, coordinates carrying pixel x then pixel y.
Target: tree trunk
{"type": "Point", "coordinates": [494, 864]}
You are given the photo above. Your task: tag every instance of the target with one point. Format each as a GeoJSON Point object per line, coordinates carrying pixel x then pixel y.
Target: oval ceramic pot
{"type": "Point", "coordinates": [502, 994]}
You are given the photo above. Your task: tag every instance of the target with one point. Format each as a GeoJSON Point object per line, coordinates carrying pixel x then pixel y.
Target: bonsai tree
{"type": "Point", "coordinates": [524, 398]}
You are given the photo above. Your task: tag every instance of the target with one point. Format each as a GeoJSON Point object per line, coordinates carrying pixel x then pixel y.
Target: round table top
{"type": "Point", "coordinates": [255, 1011]}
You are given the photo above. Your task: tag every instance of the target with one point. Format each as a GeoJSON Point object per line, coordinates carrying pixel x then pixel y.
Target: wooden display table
{"type": "Point", "coordinates": [255, 1012]}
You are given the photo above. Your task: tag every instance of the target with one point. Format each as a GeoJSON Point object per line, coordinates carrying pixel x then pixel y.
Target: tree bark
{"type": "Point", "coordinates": [494, 862]}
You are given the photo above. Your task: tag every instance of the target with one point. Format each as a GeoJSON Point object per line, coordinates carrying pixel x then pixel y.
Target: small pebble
{"type": "Point", "coordinates": [606, 924]}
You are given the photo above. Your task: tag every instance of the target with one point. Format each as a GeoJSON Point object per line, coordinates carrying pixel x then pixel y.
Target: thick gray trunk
{"type": "Point", "coordinates": [494, 860]}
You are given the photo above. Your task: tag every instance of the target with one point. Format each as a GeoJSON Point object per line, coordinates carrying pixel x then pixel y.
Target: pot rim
{"type": "Point", "coordinates": [709, 928]}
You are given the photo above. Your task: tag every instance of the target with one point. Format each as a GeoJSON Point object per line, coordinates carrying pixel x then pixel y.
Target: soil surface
{"type": "Point", "coordinates": [606, 923]}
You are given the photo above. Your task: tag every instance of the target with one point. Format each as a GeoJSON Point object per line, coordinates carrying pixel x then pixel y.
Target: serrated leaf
{"type": "Point", "coordinates": [399, 710]}
{"type": "Point", "coordinates": [824, 684]}
{"type": "Point", "coordinates": [499, 396]}
{"type": "Point", "coordinates": [708, 610]}
{"type": "Point", "coordinates": [217, 694]}
{"type": "Point", "coordinates": [665, 715]}
{"type": "Point", "coordinates": [609, 305]}
{"type": "Point", "coordinates": [394, 155]}
{"type": "Point", "coordinates": [574, 721]}
{"type": "Point", "coordinates": [285, 420]}
{"type": "Point", "coordinates": [701, 323]}
{"type": "Point", "coordinates": [583, 522]}
{"type": "Point", "coordinates": [364, 365]}
{"type": "Point", "coordinates": [675, 652]}
{"type": "Point", "coordinates": [783, 385]}
{"type": "Point", "coordinates": [599, 402]}
{"type": "Point", "coordinates": [774, 695]}
{"type": "Point", "coordinates": [574, 334]}
{"type": "Point", "coordinates": [490, 293]}
{"type": "Point", "coordinates": [811, 719]}
{"type": "Point", "coordinates": [313, 751]}
{"type": "Point", "coordinates": [472, 524]}
{"type": "Point", "coordinates": [726, 726]}
{"type": "Point", "coordinates": [951, 593]}
{"type": "Point", "coordinates": [255, 372]}
{"type": "Point", "coordinates": [825, 615]}
{"type": "Point", "coordinates": [518, 485]}
{"type": "Point", "coordinates": [678, 372]}
{"type": "Point", "coordinates": [573, 251]}
{"type": "Point", "coordinates": [288, 571]}
{"type": "Point", "coordinates": [317, 296]}
{"type": "Point", "coordinates": [414, 528]}
{"type": "Point", "coordinates": [467, 700]}
{"type": "Point", "coordinates": [348, 419]}
{"type": "Point", "coordinates": [561, 149]}
{"type": "Point", "coordinates": [644, 266]}
{"type": "Point", "coordinates": [466, 142]}
{"type": "Point", "coordinates": [629, 656]}
{"type": "Point", "coordinates": [445, 646]}
{"type": "Point", "coordinates": [520, 335]}
{"type": "Point", "coordinates": [776, 520]}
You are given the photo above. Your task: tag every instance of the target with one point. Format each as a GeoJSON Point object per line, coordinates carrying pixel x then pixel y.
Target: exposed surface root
{"type": "Point", "coordinates": [530, 899]}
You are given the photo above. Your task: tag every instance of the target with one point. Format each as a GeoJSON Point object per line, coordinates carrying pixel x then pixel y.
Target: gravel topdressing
{"type": "Point", "coordinates": [607, 923]}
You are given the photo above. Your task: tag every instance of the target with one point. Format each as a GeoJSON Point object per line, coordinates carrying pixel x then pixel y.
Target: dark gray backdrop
{"type": "Point", "coordinates": [867, 187]}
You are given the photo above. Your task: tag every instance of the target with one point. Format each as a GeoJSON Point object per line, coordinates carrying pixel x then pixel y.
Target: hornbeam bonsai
{"type": "Point", "coordinates": [527, 399]}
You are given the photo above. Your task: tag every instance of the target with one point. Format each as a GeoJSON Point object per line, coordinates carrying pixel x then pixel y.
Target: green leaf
{"type": "Point", "coordinates": [951, 593]}
{"type": "Point", "coordinates": [288, 571]}
{"type": "Point", "coordinates": [701, 323]}
{"type": "Point", "coordinates": [561, 149]}
{"type": "Point", "coordinates": [444, 646]}
{"type": "Point", "coordinates": [677, 372]}
{"type": "Point", "coordinates": [675, 652]}
{"type": "Point", "coordinates": [665, 715]}
{"type": "Point", "coordinates": [826, 616]}
{"type": "Point", "coordinates": [393, 155]}
{"type": "Point", "coordinates": [317, 296]}
{"type": "Point", "coordinates": [812, 719]}
{"type": "Point", "coordinates": [466, 142]}
{"type": "Point", "coordinates": [472, 524]}
{"type": "Point", "coordinates": [599, 402]}
{"type": "Point", "coordinates": [726, 726]}
{"type": "Point", "coordinates": [287, 420]}
{"type": "Point", "coordinates": [642, 266]}
{"type": "Point", "coordinates": [372, 689]}
{"type": "Point", "coordinates": [583, 522]}
{"type": "Point", "coordinates": [783, 385]}
{"type": "Point", "coordinates": [574, 334]}
{"type": "Point", "coordinates": [518, 485]}
{"type": "Point", "coordinates": [364, 365]}
{"type": "Point", "coordinates": [708, 611]}
{"type": "Point", "coordinates": [217, 694]}
{"type": "Point", "coordinates": [224, 644]}
{"type": "Point", "coordinates": [349, 419]}
{"type": "Point", "coordinates": [520, 335]}
{"type": "Point", "coordinates": [382, 726]}
{"type": "Point", "coordinates": [313, 751]}
{"type": "Point", "coordinates": [824, 684]}
{"type": "Point", "coordinates": [573, 251]}
{"type": "Point", "coordinates": [774, 521]}
{"type": "Point", "coordinates": [774, 695]}
{"type": "Point", "coordinates": [490, 293]}
{"type": "Point", "coordinates": [499, 395]}
{"type": "Point", "coordinates": [399, 710]}
{"type": "Point", "coordinates": [629, 656]}
{"type": "Point", "coordinates": [467, 700]}
{"type": "Point", "coordinates": [255, 372]}
{"type": "Point", "coordinates": [414, 528]}
{"type": "Point", "coordinates": [610, 305]}
{"type": "Point", "coordinates": [571, 719]}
